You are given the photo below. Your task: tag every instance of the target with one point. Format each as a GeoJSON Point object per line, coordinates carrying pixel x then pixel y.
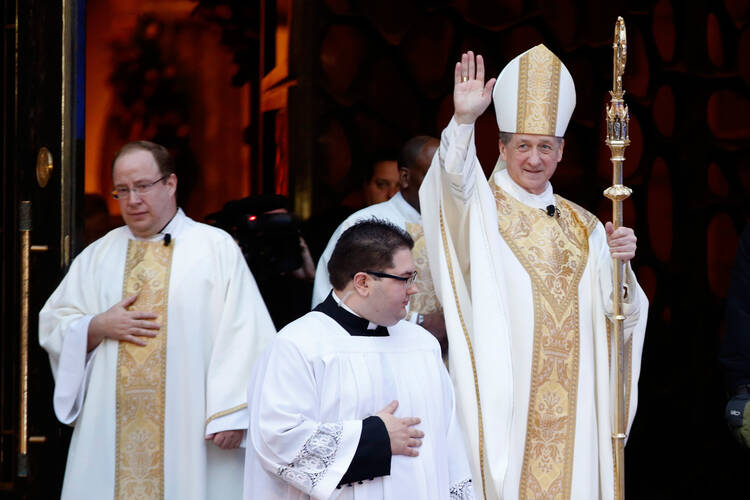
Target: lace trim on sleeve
{"type": "Point", "coordinates": [313, 460]}
{"type": "Point", "coordinates": [462, 491]}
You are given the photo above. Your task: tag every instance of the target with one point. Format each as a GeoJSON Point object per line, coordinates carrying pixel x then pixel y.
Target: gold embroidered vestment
{"type": "Point", "coordinates": [425, 301]}
{"type": "Point", "coordinates": [554, 252]}
{"type": "Point", "coordinates": [538, 92]}
{"type": "Point", "coordinates": [141, 377]}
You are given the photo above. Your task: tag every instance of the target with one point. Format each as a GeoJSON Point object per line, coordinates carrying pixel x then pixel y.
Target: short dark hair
{"type": "Point", "coordinates": [410, 151]}
{"type": "Point", "coordinates": [367, 245]}
{"type": "Point", "coordinates": [163, 159]}
{"type": "Point", "coordinates": [368, 170]}
{"type": "Point", "coordinates": [505, 138]}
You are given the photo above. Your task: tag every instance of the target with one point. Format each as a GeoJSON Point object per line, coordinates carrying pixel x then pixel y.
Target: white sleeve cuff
{"type": "Point", "coordinates": [73, 371]}
{"type": "Point", "coordinates": [463, 134]}
{"type": "Point", "coordinates": [347, 446]}
{"type": "Point", "coordinates": [455, 146]}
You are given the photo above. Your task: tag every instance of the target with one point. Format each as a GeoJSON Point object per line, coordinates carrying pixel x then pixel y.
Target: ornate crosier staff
{"type": "Point", "coordinates": [618, 140]}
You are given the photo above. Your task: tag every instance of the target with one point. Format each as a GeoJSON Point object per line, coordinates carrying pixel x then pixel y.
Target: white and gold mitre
{"type": "Point", "coordinates": [534, 94]}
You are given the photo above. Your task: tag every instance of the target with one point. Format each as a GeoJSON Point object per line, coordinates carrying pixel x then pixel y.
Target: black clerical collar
{"type": "Point", "coordinates": [352, 323]}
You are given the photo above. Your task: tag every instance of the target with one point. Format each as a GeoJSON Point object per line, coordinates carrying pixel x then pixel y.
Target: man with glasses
{"type": "Point", "coordinates": [525, 280]}
{"type": "Point", "coordinates": [151, 337]}
{"type": "Point", "coordinates": [350, 396]}
{"type": "Point", "coordinates": [402, 210]}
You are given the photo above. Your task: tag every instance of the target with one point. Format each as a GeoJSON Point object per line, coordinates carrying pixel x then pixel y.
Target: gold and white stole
{"type": "Point", "coordinates": [141, 378]}
{"type": "Point", "coordinates": [553, 251]}
{"type": "Point", "coordinates": [425, 301]}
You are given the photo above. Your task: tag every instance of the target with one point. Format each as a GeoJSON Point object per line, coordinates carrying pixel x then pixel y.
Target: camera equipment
{"type": "Point", "coordinates": [269, 241]}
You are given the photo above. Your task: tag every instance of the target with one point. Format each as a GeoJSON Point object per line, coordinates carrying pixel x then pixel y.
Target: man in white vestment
{"type": "Point", "coordinates": [352, 402]}
{"type": "Point", "coordinates": [151, 337]}
{"type": "Point", "coordinates": [403, 211]}
{"type": "Point", "coordinates": [525, 280]}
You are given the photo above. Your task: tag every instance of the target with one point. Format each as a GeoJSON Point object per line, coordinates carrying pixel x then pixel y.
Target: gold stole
{"type": "Point", "coordinates": [425, 301]}
{"type": "Point", "coordinates": [141, 376]}
{"type": "Point", "coordinates": [553, 251]}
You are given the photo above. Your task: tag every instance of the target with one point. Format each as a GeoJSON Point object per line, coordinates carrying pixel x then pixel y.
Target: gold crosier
{"type": "Point", "coordinates": [617, 140]}
{"type": "Point", "coordinates": [141, 377]}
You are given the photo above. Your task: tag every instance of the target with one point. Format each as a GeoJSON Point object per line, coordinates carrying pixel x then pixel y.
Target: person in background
{"type": "Point", "coordinates": [402, 210]}
{"type": "Point", "coordinates": [380, 182]}
{"type": "Point", "coordinates": [270, 239]}
{"type": "Point", "coordinates": [383, 183]}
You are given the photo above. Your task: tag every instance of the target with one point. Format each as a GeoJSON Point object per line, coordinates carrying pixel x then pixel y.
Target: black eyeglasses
{"type": "Point", "coordinates": [123, 192]}
{"type": "Point", "coordinates": [408, 281]}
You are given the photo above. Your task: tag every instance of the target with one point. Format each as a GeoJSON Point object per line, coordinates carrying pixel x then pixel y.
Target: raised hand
{"type": "Point", "coordinates": [120, 324]}
{"type": "Point", "coordinates": [405, 438]}
{"type": "Point", "coordinates": [471, 95]}
{"type": "Point", "coordinates": [621, 242]}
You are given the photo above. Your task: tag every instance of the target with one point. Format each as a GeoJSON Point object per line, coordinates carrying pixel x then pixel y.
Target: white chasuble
{"type": "Point", "coordinates": [400, 213]}
{"type": "Point", "coordinates": [553, 251]}
{"type": "Point", "coordinates": [214, 325]}
{"type": "Point", "coordinates": [310, 394]}
{"type": "Point", "coordinates": [527, 299]}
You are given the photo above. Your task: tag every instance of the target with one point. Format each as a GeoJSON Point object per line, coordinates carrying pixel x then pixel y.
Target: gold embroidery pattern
{"type": "Point", "coordinates": [553, 251]}
{"type": "Point", "coordinates": [538, 90]}
{"type": "Point", "coordinates": [226, 412]}
{"type": "Point", "coordinates": [141, 376]}
{"type": "Point", "coordinates": [425, 301]}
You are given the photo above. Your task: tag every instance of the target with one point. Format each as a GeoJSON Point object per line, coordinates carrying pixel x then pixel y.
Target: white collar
{"type": "Point", "coordinates": [403, 206]}
{"type": "Point", "coordinates": [503, 179]}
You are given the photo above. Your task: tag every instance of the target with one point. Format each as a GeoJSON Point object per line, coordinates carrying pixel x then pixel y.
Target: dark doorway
{"type": "Point", "coordinates": [40, 195]}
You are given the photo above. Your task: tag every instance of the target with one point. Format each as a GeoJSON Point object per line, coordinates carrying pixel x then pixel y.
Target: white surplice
{"type": "Point", "coordinates": [310, 393]}
{"type": "Point", "coordinates": [217, 325]}
{"type": "Point", "coordinates": [397, 211]}
{"type": "Point", "coordinates": [488, 304]}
